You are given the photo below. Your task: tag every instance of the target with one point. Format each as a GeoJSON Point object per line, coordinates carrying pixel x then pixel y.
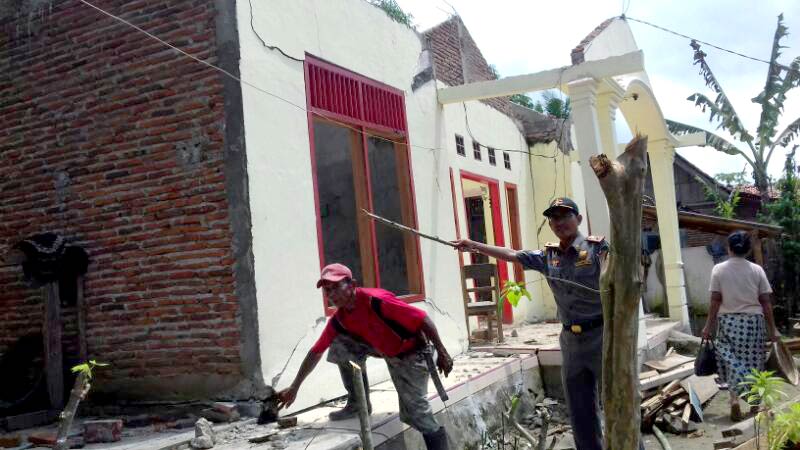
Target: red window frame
{"type": "Point", "coordinates": [364, 115]}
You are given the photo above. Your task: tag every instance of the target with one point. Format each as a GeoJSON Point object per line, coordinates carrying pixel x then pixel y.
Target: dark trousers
{"type": "Point", "coordinates": [581, 376]}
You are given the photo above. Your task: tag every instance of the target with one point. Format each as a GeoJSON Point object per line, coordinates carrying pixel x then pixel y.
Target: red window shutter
{"type": "Point", "coordinates": [344, 93]}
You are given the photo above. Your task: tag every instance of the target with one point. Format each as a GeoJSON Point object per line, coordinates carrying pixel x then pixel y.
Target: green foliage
{"type": "Point", "coordinates": [513, 292]}
{"type": "Point", "coordinates": [785, 212]}
{"type": "Point", "coordinates": [494, 71]}
{"type": "Point", "coordinates": [758, 148]}
{"type": "Point", "coordinates": [724, 207]}
{"type": "Point", "coordinates": [524, 100]}
{"type": "Point", "coordinates": [786, 426]}
{"type": "Point", "coordinates": [763, 388]}
{"type": "Point", "coordinates": [87, 367]}
{"type": "Point", "coordinates": [394, 11]}
{"type": "Point", "coordinates": [553, 105]}
{"type": "Point", "coordinates": [732, 178]}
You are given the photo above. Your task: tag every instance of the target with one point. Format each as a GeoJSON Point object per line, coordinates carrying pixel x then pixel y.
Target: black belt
{"type": "Point", "coordinates": [578, 328]}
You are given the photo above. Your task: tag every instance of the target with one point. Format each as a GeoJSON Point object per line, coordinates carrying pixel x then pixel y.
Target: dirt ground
{"type": "Point", "coordinates": [716, 414]}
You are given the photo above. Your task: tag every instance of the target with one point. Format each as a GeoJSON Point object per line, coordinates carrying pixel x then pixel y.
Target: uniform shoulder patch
{"type": "Point", "coordinates": [551, 244]}
{"type": "Point", "coordinates": [596, 239]}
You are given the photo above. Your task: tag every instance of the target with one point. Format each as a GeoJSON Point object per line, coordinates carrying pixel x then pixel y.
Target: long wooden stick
{"type": "Point", "coordinates": [402, 227]}
{"type": "Point", "coordinates": [363, 411]}
{"type": "Point", "coordinates": [77, 394]}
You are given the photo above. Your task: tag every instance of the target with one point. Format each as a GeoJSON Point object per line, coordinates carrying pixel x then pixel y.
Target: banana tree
{"type": "Point", "coordinates": [756, 149]}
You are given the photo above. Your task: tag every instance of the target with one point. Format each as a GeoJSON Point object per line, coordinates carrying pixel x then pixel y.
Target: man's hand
{"type": "Point", "coordinates": [465, 245]}
{"type": "Point", "coordinates": [444, 362]}
{"type": "Point", "coordinates": [286, 397]}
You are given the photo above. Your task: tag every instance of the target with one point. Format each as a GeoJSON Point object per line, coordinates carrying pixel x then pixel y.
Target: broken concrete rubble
{"type": "Point", "coordinates": [96, 431]}
{"type": "Point", "coordinates": [204, 435]}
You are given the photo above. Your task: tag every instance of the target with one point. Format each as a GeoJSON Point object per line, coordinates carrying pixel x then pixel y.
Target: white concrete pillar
{"type": "Point", "coordinates": [583, 98]}
{"type": "Point", "coordinates": [608, 99]}
{"type": "Point", "coordinates": [662, 156]}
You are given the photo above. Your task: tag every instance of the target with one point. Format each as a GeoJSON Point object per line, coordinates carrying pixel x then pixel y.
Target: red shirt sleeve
{"type": "Point", "coordinates": [324, 341]}
{"type": "Point", "coordinates": [409, 317]}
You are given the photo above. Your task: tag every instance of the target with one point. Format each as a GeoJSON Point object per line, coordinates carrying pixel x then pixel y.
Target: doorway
{"type": "Point", "coordinates": [484, 221]}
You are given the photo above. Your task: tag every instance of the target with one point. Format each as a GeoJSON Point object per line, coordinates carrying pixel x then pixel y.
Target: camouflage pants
{"type": "Point", "coordinates": [409, 374]}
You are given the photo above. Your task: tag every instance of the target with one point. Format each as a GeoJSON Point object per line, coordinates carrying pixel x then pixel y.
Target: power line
{"type": "Point", "coordinates": [264, 91]}
{"type": "Point", "coordinates": [706, 43]}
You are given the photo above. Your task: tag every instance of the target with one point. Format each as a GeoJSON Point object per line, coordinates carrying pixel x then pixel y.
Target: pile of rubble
{"type": "Point", "coordinates": [672, 396]}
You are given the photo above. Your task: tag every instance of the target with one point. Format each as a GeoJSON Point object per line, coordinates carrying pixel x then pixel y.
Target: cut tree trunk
{"type": "Point", "coordinates": [622, 182]}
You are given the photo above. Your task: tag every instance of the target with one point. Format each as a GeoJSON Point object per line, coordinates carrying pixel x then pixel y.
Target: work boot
{"type": "Point", "coordinates": [351, 408]}
{"type": "Point", "coordinates": [436, 440]}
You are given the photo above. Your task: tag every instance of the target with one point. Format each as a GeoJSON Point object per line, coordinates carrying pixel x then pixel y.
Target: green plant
{"type": "Point", "coordinates": [553, 105]}
{"type": "Point", "coordinates": [87, 367]}
{"type": "Point", "coordinates": [394, 11]}
{"type": "Point", "coordinates": [522, 99]}
{"type": "Point", "coordinates": [787, 425]}
{"type": "Point", "coordinates": [785, 212]}
{"type": "Point", "coordinates": [757, 150]}
{"type": "Point", "coordinates": [764, 390]}
{"type": "Point", "coordinates": [724, 207]}
{"type": "Point", "coordinates": [513, 292]}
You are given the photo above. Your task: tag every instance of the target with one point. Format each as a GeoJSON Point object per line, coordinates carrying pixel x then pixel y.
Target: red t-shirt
{"type": "Point", "coordinates": [364, 323]}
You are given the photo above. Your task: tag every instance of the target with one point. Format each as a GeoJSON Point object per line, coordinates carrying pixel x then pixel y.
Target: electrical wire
{"type": "Point", "coordinates": [667, 30]}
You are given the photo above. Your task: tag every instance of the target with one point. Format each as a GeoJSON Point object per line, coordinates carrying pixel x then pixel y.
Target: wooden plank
{"type": "Point", "coordinates": [679, 372]}
{"type": "Point", "coordinates": [704, 387]}
{"type": "Point", "coordinates": [669, 363]}
{"type": "Point", "coordinates": [81, 311]}
{"type": "Point", "coordinates": [648, 374]}
{"type": "Point", "coordinates": [687, 412]}
{"type": "Point", "coordinates": [54, 363]}
{"type": "Point", "coordinates": [673, 385]}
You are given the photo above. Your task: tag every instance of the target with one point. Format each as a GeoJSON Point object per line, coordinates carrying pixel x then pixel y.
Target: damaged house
{"type": "Point", "coordinates": [206, 207]}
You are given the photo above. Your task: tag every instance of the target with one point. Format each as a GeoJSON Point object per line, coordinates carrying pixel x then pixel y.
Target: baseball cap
{"type": "Point", "coordinates": [561, 202]}
{"type": "Point", "coordinates": [335, 273]}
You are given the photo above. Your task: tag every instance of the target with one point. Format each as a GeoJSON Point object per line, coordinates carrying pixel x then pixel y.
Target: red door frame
{"type": "Point", "coordinates": [519, 272]}
{"type": "Point", "coordinates": [497, 227]}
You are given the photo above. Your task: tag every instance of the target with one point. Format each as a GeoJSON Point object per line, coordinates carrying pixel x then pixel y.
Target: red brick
{"type": "Point", "coordinates": [158, 234]}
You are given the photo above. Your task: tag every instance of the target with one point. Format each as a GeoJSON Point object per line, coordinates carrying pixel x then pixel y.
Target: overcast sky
{"type": "Point", "coordinates": [524, 36]}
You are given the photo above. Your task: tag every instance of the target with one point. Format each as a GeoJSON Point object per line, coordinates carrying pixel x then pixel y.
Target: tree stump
{"type": "Point", "coordinates": [622, 182]}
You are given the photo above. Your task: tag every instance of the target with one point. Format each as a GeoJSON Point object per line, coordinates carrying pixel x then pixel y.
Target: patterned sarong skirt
{"type": "Point", "coordinates": [741, 347]}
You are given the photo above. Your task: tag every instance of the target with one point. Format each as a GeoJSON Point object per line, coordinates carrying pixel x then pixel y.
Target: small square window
{"type": "Point", "coordinates": [460, 146]}
{"type": "Point", "coordinates": [476, 150]}
{"type": "Point", "coordinates": [507, 160]}
{"type": "Point", "coordinates": [492, 157]}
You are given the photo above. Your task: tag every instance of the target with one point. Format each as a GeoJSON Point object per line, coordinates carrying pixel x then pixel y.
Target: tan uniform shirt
{"type": "Point", "coordinates": [740, 282]}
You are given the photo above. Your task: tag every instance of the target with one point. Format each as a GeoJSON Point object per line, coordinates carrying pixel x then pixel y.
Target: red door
{"type": "Point", "coordinates": [493, 188]}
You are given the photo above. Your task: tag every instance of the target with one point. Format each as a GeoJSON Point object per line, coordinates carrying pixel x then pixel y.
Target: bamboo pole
{"type": "Point", "coordinates": [363, 411]}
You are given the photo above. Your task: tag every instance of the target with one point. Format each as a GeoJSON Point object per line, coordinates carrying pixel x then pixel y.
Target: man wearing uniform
{"type": "Point", "coordinates": [577, 261]}
{"type": "Point", "coordinates": [373, 322]}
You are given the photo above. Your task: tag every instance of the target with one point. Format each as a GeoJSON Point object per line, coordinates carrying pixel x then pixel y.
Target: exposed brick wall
{"type": "Point", "coordinates": [458, 60]}
{"type": "Point", "coordinates": [115, 142]}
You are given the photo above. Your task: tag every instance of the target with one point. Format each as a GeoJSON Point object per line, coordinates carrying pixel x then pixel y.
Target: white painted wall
{"type": "Point", "coordinates": [697, 269]}
{"type": "Point", "coordinates": [361, 38]}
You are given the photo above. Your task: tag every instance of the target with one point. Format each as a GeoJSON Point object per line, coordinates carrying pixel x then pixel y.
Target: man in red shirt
{"type": "Point", "coordinates": [373, 322]}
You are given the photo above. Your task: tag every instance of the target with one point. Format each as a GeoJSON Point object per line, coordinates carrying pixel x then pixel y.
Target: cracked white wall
{"type": "Point", "coordinates": [360, 38]}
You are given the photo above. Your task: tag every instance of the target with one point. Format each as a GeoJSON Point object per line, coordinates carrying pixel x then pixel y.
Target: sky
{"type": "Point", "coordinates": [526, 36]}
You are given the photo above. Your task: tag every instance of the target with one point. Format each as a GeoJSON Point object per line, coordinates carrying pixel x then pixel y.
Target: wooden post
{"type": "Point", "coordinates": [622, 182]}
{"type": "Point", "coordinates": [758, 252]}
{"type": "Point", "coordinates": [51, 330]}
{"type": "Point", "coordinates": [363, 410]}
{"type": "Point", "coordinates": [79, 391]}
{"type": "Point", "coordinates": [81, 311]}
